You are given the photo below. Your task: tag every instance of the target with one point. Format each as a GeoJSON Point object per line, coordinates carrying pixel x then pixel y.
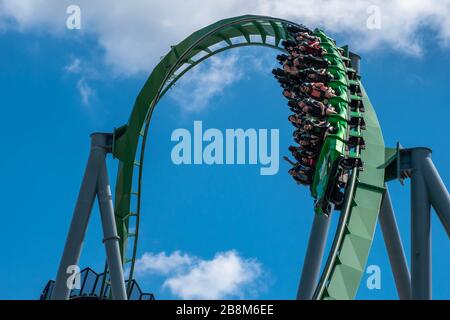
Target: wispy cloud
{"type": "Point", "coordinates": [133, 42]}
{"type": "Point", "coordinates": [206, 81]}
{"type": "Point", "coordinates": [227, 275]}
{"type": "Point", "coordinates": [74, 66]}
{"type": "Point", "coordinates": [84, 74]}
{"type": "Point", "coordinates": [86, 92]}
{"type": "Point", "coordinates": [161, 263]}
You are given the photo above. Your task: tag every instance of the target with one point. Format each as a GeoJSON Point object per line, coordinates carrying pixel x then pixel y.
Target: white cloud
{"type": "Point", "coordinates": [74, 66]}
{"type": "Point", "coordinates": [162, 263]}
{"type": "Point", "coordinates": [86, 74]}
{"type": "Point", "coordinates": [205, 81]}
{"type": "Point", "coordinates": [227, 275]}
{"type": "Point", "coordinates": [194, 91]}
{"type": "Point", "coordinates": [135, 33]}
{"type": "Point", "coordinates": [37, 15]}
{"type": "Point", "coordinates": [224, 276]}
{"type": "Point", "coordinates": [86, 92]}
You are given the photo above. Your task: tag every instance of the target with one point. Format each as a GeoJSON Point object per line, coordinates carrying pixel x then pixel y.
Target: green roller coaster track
{"type": "Point", "coordinates": [348, 256]}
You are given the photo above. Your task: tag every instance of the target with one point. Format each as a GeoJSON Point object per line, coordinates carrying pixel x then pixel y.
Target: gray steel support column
{"type": "Point", "coordinates": [438, 193]}
{"type": "Point", "coordinates": [111, 238]}
{"type": "Point", "coordinates": [80, 219]}
{"type": "Point", "coordinates": [394, 248]}
{"type": "Point", "coordinates": [420, 228]}
{"type": "Point", "coordinates": [313, 258]}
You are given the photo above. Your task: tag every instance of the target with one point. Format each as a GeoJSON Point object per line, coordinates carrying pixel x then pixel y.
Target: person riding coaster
{"type": "Point", "coordinates": [312, 107]}
{"type": "Point", "coordinates": [305, 75]}
{"type": "Point", "coordinates": [303, 153]}
{"type": "Point", "coordinates": [308, 163]}
{"type": "Point", "coordinates": [298, 29]}
{"type": "Point", "coordinates": [292, 48]}
{"type": "Point", "coordinates": [289, 45]}
{"type": "Point", "coordinates": [318, 127]}
{"type": "Point", "coordinates": [301, 174]}
{"type": "Point", "coordinates": [303, 36]}
{"type": "Point", "coordinates": [310, 144]}
{"type": "Point", "coordinates": [299, 178]}
{"type": "Point", "coordinates": [286, 80]}
{"type": "Point", "coordinates": [311, 137]}
{"type": "Point", "coordinates": [301, 67]}
{"type": "Point", "coordinates": [289, 94]}
{"type": "Point", "coordinates": [309, 61]}
{"type": "Point", "coordinates": [312, 48]}
{"type": "Point", "coordinates": [308, 140]}
{"type": "Point", "coordinates": [296, 109]}
{"type": "Point", "coordinates": [289, 68]}
{"type": "Point", "coordinates": [293, 93]}
{"type": "Point", "coordinates": [282, 58]}
{"type": "Point", "coordinates": [304, 47]}
{"type": "Point", "coordinates": [317, 90]}
{"type": "Point", "coordinates": [296, 120]}
{"type": "Point", "coordinates": [315, 75]}
{"type": "Point", "coordinates": [279, 73]}
{"type": "Point", "coordinates": [312, 148]}
{"type": "Point", "coordinates": [303, 60]}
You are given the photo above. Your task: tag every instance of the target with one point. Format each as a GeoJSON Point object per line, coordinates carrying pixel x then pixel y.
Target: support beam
{"type": "Point", "coordinates": [95, 182]}
{"type": "Point", "coordinates": [80, 218]}
{"type": "Point", "coordinates": [110, 236]}
{"type": "Point", "coordinates": [438, 193]}
{"type": "Point", "coordinates": [314, 256]}
{"type": "Point", "coordinates": [420, 228]}
{"type": "Point", "coordinates": [394, 248]}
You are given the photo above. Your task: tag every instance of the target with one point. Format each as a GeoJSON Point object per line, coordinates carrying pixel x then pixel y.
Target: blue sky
{"type": "Point", "coordinates": [58, 86]}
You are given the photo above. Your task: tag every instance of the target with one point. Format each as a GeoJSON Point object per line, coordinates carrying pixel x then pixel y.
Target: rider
{"type": "Point", "coordinates": [312, 48]}
{"type": "Point", "coordinates": [300, 178]}
{"type": "Point", "coordinates": [308, 61]}
{"type": "Point", "coordinates": [296, 120]}
{"type": "Point", "coordinates": [289, 94]}
{"type": "Point", "coordinates": [306, 162]}
{"type": "Point", "coordinates": [322, 128]}
{"type": "Point", "coordinates": [312, 107]}
{"type": "Point", "coordinates": [289, 45]}
{"type": "Point", "coordinates": [282, 58]}
{"type": "Point", "coordinates": [315, 75]}
{"type": "Point", "coordinates": [293, 93]}
{"type": "Point", "coordinates": [300, 173]}
{"type": "Point", "coordinates": [307, 144]}
{"type": "Point", "coordinates": [311, 137]}
{"type": "Point", "coordinates": [317, 90]}
{"type": "Point", "coordinates": [303, 36]}
{"type": "Point", "coordinates": [298, 29]}
{"type": "Point", "coordinates": [285, 79]}
{"type": "Point", "coordinates": [302, 153]}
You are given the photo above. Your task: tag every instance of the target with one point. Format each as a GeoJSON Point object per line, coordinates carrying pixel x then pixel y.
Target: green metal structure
{"type": "Point", "coordinates": [363, 195]}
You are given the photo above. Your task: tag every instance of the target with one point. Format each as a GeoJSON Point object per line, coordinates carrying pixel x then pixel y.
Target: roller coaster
{"type": "Point", "coordinates": [356, 148]}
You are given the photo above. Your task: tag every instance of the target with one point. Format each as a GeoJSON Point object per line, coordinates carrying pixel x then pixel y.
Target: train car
{"type": "Point", "coordinates": [340, 150]}
{"type": "Point", "coordinates": [339, 153]}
